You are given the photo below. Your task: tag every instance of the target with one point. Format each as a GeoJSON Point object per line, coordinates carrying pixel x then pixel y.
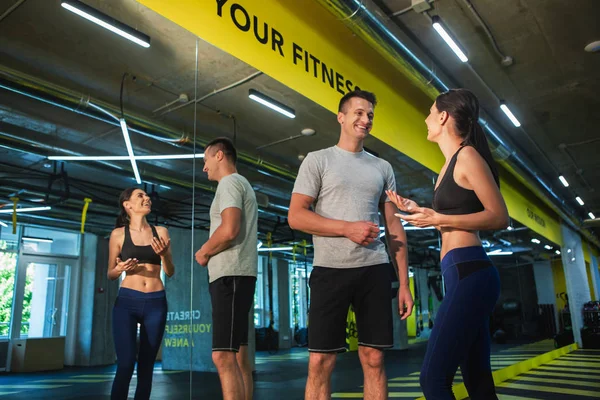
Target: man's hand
{"type": "Point", "coordinates": [361, 232]}
{"type": "Point", "coordinates": [405, 302]}
{"type": "Point", "coordinates": [202, 258]}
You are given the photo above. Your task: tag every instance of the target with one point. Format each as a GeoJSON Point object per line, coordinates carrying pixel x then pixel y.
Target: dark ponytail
{"type": "Point", "coordinates": [123, 218]}
{"type": "Point", "coordinates": [463, 106]}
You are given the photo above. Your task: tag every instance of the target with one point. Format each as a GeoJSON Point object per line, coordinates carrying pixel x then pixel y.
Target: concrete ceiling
{"type": "Point", "coordinates": [552, 85]}
{"type": "Point", "coordinates": [53, 50]}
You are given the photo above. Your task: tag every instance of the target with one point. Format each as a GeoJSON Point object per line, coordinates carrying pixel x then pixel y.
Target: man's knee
{"type": "Point", "coordinates": [223, 359]}
{"type": "Point", "coordinates": [370, 357]}
{"type": "Point", "coordinates": [321, 363]}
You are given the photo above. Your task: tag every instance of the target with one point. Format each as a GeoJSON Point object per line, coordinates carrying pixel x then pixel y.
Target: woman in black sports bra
{"type": "Point", "coordinates": [466, 200]}
{"type": "Point", "coordinates": [140, 250]}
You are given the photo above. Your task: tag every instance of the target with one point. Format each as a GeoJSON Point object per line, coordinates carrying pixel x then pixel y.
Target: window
{"type": "Point", "coordinates": [259, 295]}
{"type": "Point", "coordinates": [8, 269]}
{"type": "Point", "coordinates": [299, 294]}
{"type": "Point", "coordinates": [48, 241]}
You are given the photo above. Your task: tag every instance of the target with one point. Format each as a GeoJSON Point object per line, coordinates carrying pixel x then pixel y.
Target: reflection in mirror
{"type": "Point", "coordinates": [84, 115]}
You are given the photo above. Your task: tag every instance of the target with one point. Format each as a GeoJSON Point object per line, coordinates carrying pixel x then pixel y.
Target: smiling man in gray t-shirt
{"type": "Point", "coordinates": [346, 188]}
{"type": "Point", "coordinates": [232, 259]}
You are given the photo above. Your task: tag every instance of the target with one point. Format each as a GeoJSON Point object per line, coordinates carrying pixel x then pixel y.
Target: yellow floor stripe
{"type": "Point", "coordinates": [395, 395]}
{"type": "Point", "coordinates": [585, 359]}
{"type": "Point", "coordinates": [404, 378]}
{"type": "Point", "coordinates": [588, 384]}
{"type": "Point", "coordinates": [575, 363]}
{"type": "Point", "coordinates": [561, 369]}
{"type": "Point", "coordinates": [73, 380]}
{"type": "Point", "coordinates": [504, 374]}
{"type": "Point", "coordinates": [577, 354]}
{"type": "Point", "coordinates": [402, 385]}
{"type": "Point", "coordinates": [549, 389]}
{"type": "Point", "coordinates": [563, 374]}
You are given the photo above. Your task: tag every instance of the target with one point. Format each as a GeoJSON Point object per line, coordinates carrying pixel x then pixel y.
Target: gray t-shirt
{"type": "Point", "coordinates": [241, 259]}
{"type": "Point", "coordinates": [350, 187]}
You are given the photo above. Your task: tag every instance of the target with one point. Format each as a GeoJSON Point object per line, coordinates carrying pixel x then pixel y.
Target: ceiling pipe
{"type": "Point", "coordinates": [11, 9]}
{"type": "Point", "coordinates": [41, 90]}
{"type": "Point", "coordinates": [375, 28]}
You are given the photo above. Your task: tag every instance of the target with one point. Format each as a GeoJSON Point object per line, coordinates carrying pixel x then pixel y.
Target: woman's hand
{"type": "Point", "coordinates": [403, 204]}
{"type": "Point", "coordinates": [128, 265]}
{"type": "Point", "coordinates": [159, 245]}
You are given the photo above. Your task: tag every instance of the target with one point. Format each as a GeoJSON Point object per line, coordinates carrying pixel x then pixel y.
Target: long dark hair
{"type": "Point", "coordinates": [463, 106]}
{"type": "Point", "coordinates": [123, 218]}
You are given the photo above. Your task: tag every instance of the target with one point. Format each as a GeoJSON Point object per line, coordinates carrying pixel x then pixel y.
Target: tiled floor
{"type": "Point", "coordinates": [283, 376]}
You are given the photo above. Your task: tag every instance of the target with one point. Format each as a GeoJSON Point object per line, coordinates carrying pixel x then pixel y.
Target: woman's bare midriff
{"type": "Point", "coordinates": [145, 278]}
{"type": "Point", "coordinates": [456, 238]}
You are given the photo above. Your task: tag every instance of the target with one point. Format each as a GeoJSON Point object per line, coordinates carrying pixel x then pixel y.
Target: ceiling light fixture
{"type": "Point", "coordinates": [563, 181]}
{"type": "Point", "coordinates": [3, 224]}
{"type": "Point", "coordinates": [130, 150]}
{"type": "Point", "coordinates": [441, 30]}
{"type": "Point", "coordinates": [127, 158]}
{"type": "Point", "coordinates": [591, 215]}
{"type": "Point", "coordinates": [24, 210]}
{"type": "Point", "coordinates": [276, 249]}
{"type": "Point", "coordinates": [272, 104]}
{"type": "Point", "coordinates": [536, 241]}
{"type": "Point", "coordinates": [557, 252]}
{"type": "Point", "coordinates": [36, 239]}
{"type": "Point", "coordinates": [548, 247]}
{"type": "Point", "coordinates": [501, 253]}
{"type": "Point", "coordinates": [579, 200]}
{"type": "Point", "coordinates": [107, 22]}
{"type": "Point", "coordinates": [510, 115]}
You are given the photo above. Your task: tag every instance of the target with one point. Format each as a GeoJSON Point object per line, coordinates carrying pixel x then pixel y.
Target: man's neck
{"type": "Point", "coordinates": [350, 144]}
{"type": "Point", "coordinates": [226, 172]}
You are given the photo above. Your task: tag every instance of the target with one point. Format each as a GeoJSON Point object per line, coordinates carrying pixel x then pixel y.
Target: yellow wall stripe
{"type": "Point", "coordinates": [305, 47]}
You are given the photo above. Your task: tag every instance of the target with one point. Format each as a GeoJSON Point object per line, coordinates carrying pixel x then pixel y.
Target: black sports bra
{"type": "Point", "coordinates": [144, 254]}
{"type": "Point", "coordinates": [451, 199]}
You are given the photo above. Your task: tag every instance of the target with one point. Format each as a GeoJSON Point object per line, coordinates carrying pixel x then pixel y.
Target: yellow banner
{"type": "Point", "coordinates": [528, 209]}
{"type": "Point", "coordinates": [303, 46]}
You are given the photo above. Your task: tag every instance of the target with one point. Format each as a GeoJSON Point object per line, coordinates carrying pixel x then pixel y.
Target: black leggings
{"type": "Point", "coordinates": [150, 311]}
{"type": "Point", "coordinates": [461, 335]}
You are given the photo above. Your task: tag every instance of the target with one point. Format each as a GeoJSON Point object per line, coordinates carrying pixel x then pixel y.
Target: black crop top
{"type": "Point", "coordinates": [451, 199]}
{"type": "Point", "coordinates": [144, 254]}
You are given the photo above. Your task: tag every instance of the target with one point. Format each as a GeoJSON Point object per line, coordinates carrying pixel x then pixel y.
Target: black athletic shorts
{"type": "Point", "coordinates": [232, 297]}
{"type": "Point", "coordinates": [332, 290]}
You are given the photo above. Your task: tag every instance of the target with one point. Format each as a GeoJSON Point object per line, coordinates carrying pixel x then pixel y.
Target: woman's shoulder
{"type": "Point", "coordinates": [118, 232]}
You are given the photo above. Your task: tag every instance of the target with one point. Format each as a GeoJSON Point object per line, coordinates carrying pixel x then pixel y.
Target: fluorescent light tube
{"type": "Point", "coordinates": [35, 239]}
{"type": "Point", "coordinates": [579, 200]}
{"type": "Point", "coordinates": [130, 150]}
{"type": "Point", "coordinates": [563, 181]}
{"type": "Point", "coordinates": [536, 241]}
{"type": "Point", "coordinates": [591, 215]}
{"type": "Point", "coordinates": [439, 28]}
{"type": "Point", "coordinates": [107, 22]}
{"type": "Point", "coordinates": [3, 224]}
{"type": "Point", "coordinates": [272, 104]}
{"type": "Point", "coordinates": [23, 210]}
{"type": "Point", "coordinates": [548, 247]}
{"type": "Point", "coordinates": [125, 158]}
{"type": "Point", "coordinates": [276, 248]}
{"type": "Point", "coordinates": [557, 252]}
{"type": "Point", "coordinates": [510, 115]}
